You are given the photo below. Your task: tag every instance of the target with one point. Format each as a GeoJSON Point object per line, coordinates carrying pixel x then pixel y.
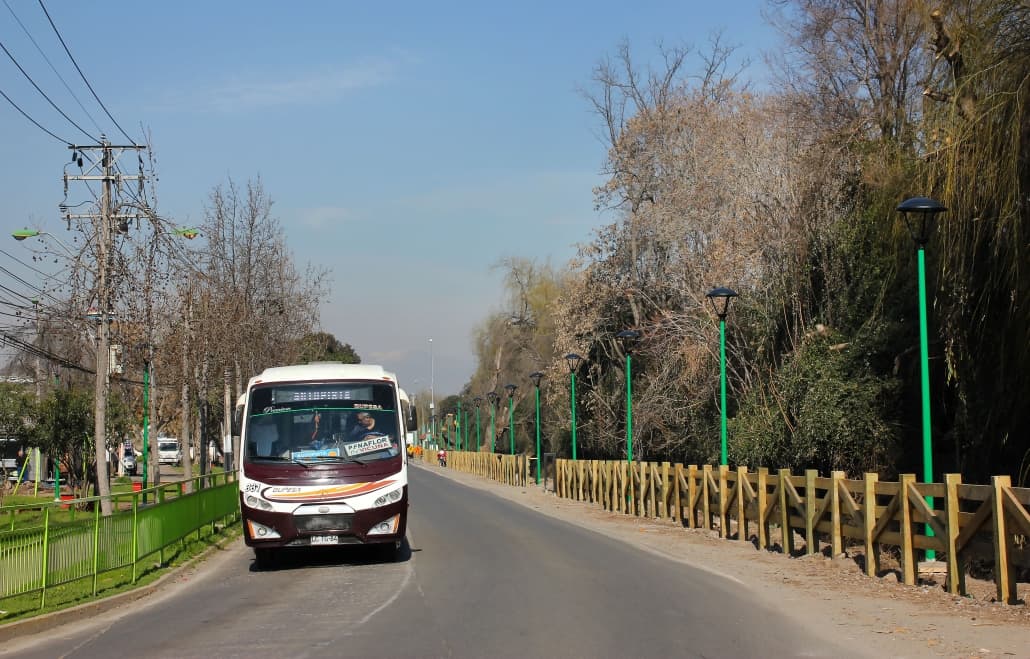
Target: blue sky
{"type": "Point", "coordinates": [408, 147]}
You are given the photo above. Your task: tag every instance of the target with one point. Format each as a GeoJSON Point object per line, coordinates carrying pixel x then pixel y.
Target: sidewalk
{"type": "Point", "coordinates": [888, 617]}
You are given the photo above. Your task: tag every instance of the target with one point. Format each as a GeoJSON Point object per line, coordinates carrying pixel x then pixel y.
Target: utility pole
{"type": "Point", "coordinates": [186, 401]}
{"type": "Point", "coordinates": [105, 168]}
{"type": "Point", "coordinates": [229, 448]}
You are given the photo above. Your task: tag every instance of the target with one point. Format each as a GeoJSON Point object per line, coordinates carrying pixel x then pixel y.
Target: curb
{"type": "Point", "coordinates": [36, 624]}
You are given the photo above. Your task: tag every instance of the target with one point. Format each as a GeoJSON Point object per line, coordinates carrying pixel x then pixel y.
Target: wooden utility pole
{"type": "Point", "coordinates": [103, 170]}
{"type": "Point", "coordinates": [103, 376]}
{"type": "Point", "coordinates": [186, 402]}
{"type": "Point", "coordinates": [228, 447]}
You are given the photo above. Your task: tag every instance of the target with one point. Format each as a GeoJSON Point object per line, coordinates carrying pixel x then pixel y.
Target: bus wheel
{"type": "Point", "coordinates": [390, 552]}
{"type": "Point", "coordinates": [264, 558]}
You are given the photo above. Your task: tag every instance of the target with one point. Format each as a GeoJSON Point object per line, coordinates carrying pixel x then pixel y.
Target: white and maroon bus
{"type": "Point", "coordinates": [323, 459]}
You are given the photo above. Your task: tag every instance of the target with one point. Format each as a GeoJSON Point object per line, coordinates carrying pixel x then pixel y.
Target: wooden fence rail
{"type": "Point", "coordinates": [958, 521]}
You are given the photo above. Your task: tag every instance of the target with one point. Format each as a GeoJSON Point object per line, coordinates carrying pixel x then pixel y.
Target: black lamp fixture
{"type": "Point", "coordinates": [720, 300]}
{"type": "Point", "coordinates": [510, 388]}
{"type": "Point", "coordinates": [628, 335]}
{"type": "Point", "coordinates": [492, 397]}
{"type": "Point", "coordinates": [919, 214]}
{"type": "Point", "coordinates": [536, 376]}
{"type": "Point", "coordinates": [573, 360]}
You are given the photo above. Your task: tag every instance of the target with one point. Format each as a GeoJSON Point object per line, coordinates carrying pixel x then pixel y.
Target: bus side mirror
{"type": "Point", "coordinates": [410, 424]}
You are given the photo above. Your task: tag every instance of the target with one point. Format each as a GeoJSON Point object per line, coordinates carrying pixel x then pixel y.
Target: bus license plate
{"type": "Point", "coordinates": [325, 539]}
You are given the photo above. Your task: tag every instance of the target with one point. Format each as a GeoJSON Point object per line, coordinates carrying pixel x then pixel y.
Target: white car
{"type": "Point", "coordinates": [129, 462]}
{"type": "Point", "coordinates": [169, 451]}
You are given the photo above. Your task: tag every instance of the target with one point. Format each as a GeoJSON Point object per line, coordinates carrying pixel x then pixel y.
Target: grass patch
{"type": "Point", "coordinates": [113, 582]}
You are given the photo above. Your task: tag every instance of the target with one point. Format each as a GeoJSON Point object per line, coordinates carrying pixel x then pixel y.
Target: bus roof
{"type": "Point", "coordinates": [324, 371]}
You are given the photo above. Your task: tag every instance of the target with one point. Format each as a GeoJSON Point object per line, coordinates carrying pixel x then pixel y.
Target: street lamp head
{"type": "Point", "coordinates": [573, 360]}
{"type": "Point", "coordinates": [629, 335]}
{"type": "Point", "coordinates": [925, 210]}
{"type": "Point", "coordinates": [22, 234]}
{"type": "Point", "coordinates": [477, 400]}
{"type": "Point", "coordinates": [510, 388]}
{"type": "Point", "coordinates": [492, 396]}
{"type": "Point", "coordinates": [536, 376]}
{"type": "Point", "coordinates": [720, 300]}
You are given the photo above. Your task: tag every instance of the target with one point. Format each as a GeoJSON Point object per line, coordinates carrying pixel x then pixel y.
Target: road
{"type": "Point", "coordinates": [480, 576]}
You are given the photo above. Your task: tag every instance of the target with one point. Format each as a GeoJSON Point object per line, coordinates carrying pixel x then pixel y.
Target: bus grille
{"type": "Point", "coordinates": [318, 523]}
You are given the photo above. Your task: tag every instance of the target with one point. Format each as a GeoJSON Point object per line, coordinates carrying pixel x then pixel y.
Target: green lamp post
{"type": "Point", "coordinates": [919, 214]}
{"type": "Point", "coordinates": [492, 397]}
{"type": "Point", "coordinates": [510, 388]}
{"type": "Point", "coordinates": [457, 426]}
{"type": "Point", "coordinates": [573, 361]}
{"type": "Point", "coordinates": [720, 298]}
{"type": "Point", "coordinates": [536, 376]}
{"type": "Point", "coordinates": [478, 400]}
{"type": "Point", "coordinates": [628, 337]}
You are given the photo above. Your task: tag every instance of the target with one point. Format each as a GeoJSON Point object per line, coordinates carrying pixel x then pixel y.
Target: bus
{"type": "Point", "coordinates": [323, 460]}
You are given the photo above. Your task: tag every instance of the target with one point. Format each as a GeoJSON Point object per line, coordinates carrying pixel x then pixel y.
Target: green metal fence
{"type": "Point", "coordinates": [54, 547]}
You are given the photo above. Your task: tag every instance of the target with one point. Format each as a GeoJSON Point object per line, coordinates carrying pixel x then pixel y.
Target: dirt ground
{"type": "Point", "coordinates": [832, 596]}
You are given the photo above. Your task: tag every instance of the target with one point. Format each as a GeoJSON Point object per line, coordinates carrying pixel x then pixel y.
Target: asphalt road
{"type": "Point", "coordinates": [481, 576]}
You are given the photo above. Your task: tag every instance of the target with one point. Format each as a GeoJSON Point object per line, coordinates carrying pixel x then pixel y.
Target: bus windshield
{"type": "Point", "coordinates": [319, 423]}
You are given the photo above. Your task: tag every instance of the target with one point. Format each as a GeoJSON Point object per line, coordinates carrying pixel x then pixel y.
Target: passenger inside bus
{"type": "Point", "coordinates": [264, 434]}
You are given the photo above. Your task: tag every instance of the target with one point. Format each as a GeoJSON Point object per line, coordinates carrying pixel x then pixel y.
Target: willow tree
{"type": "Point", "coordinates": [977, 161]}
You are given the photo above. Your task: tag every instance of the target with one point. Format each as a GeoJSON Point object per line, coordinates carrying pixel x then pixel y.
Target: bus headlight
{"type": "Point", "coordinates": [393, 496]}
{"type": "Point", "coordinates": [386, 527]}
{"type": "Point", "coordinates": [261, 532]}
{"type": "Point", "coordinates": [257, 502]}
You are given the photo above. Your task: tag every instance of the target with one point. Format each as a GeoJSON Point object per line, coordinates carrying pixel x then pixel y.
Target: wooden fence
{"type": "Point", "coordinates": [960, 522]}
{"type": "Point", "coordinates": [507, 469]}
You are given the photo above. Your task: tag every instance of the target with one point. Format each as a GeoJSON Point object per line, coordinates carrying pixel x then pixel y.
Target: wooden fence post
{"type": "Point", "coordinates": [741, 504]}
{"type": "Point", "coordinates": [677, 502]}
{"type": "Point", "coordinates": [836, 541]}
{"type": "Point", "coordinates": [811, 505]}
{"type": "Point", "coordinates": [724, 531]}
{"type": "Point", "coordinates": [663, 503]}
{"type": "Point", "coordinates": [763, 502]}
{"type": "Point", "coordinates": [872, 549]}
{"type": "Point", "coordinates": [692, 495]}
{"type": "Point", "coordinates": [908, 560]}
{"type": "Point", "coordinates": [1004, 575]}
{"type": "Point", "coordinates": [786, 532]}
{"type": "Point", "coordinates": [956, 574]}
{"type": "Point", "coordinates": [706, 497]}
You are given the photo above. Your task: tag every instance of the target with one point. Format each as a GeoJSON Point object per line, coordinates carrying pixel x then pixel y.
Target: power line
{"type": "Point", "coordinates": [43, 93]}
{"type": "Point", "coordinates": [26, 115]}
{"type": "Point", "coordinates": [35, 351]}
{"type": "Point", "coordinates": [52, 67]}
{"type": "Point", "coordinates": [48, 275]}
{"type": "Point", "coordinates": [83, 75]}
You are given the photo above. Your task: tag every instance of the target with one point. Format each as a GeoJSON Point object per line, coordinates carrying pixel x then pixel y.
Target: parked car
{"type": "Point", "coordinates": [169, 451]}
{"type": "Point", "coordinates": [129, 462]}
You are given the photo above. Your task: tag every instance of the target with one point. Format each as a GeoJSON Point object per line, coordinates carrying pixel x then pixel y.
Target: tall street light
{"type": "Point", "coordinates": [23, 234]}
{"type": "Point", "coordinates": [720, 298]}
{"type": "Point", "coordinates": [510, 388]}
{"type": "Point", "coordinates": [919, 214]}
{"type": "Point", "coordinates": [478, 400]}
{"type": "Point", "coordinates": [628, 337]}
{"type": "Point", "coordinates": [432, 378]}
{"type": "Point", "coordinates": [468, 438]}
{"type": "Point", "coordinates": [573, 360]}
{"type": "Point", "coordinates": [492, 397]}
{"type": "Point", "coordinates": [457, 426]}
{"type": "Point", "coordinates": [536, 376]}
